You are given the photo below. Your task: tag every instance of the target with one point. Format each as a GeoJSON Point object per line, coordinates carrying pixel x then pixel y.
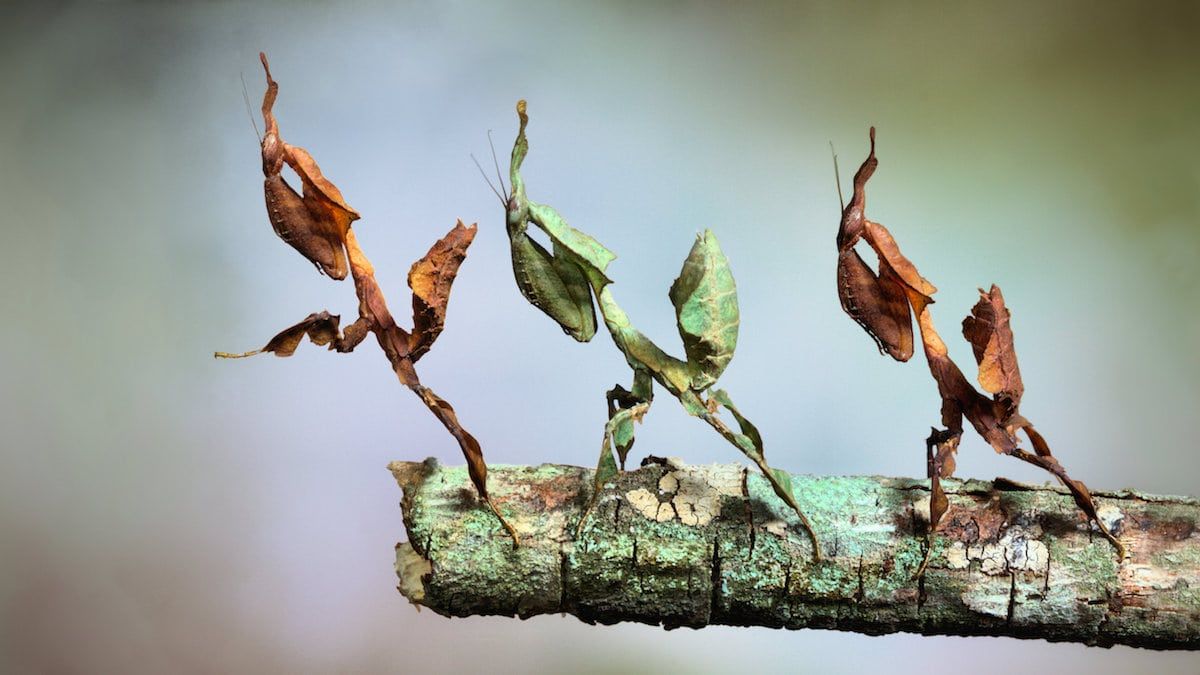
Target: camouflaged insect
{"type": "Point", "coordinates": [880, 303]}
{"type": "Point", "coordinates": [317, 225]}
{"type": "Point", "coordinates": [563, 282]}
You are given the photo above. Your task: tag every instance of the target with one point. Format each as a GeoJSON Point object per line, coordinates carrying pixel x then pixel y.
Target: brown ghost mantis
{"type": "Point", "coordinates": [880, 304]}
{"type": "Point", "coordinates": [317, 224]}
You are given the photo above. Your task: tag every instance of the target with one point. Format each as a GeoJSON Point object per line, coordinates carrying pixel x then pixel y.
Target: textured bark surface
{"type": "Point", "coordinates": [683, 545]}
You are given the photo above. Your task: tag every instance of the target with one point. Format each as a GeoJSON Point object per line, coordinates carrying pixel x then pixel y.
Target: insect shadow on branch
{"type": "Point", "coordinates": [883, 304]}
{"type": "Point", "coordinates": [317, 224]}
{"type": "Point", "coordinates": [563, 281]}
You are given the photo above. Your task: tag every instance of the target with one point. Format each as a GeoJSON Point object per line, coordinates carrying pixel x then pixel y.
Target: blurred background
{"type": "Point", "coordinates": [164, 511]}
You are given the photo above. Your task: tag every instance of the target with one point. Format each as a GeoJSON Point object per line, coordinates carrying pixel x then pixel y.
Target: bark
{"type": "Point", "coordinates": [681, 545]}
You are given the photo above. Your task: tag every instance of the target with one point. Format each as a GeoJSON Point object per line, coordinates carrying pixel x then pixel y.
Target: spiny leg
{"type": "Point", "coordinates": [1079, 491]}
{"type": "Point", "coordinates": [471, 450]}
{"type": "Point", "coordinates": [786, 495]}
{"type": "Point", "coordinates": [750, 443]}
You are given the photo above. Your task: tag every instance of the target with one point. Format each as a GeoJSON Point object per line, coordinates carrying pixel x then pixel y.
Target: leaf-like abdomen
{"type": "Point", "coordinates": [575, 280]}
{"type": "Point", "coordinates": [877, 303]}
{"type": "Point", "coordinates": [553, 284]}
{"type": "Point", "coordinates": [303, 230]}
{"type": "Point", "coordinates": [706, 310]}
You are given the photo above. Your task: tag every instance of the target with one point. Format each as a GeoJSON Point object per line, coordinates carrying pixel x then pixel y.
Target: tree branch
{"type": "Point", "coordinates": [682, 545]}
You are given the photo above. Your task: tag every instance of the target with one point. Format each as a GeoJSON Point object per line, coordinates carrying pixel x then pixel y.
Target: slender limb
{"type": "Point", "coordinates": [396, 345]}
{"type": "Point", "coordinates": [939, 450]}
{"type": "Point", "coordinates": [619, 398]}
{"type": "Point", "coordinates": [239, 355]}
{"type": "Point", "coordinates": [353, 335]}
{"type": "Point", "coordinates": [758, 458]}
{"type": "Point", "coordinates": [624, 408]}
{"type": "Point", "coordinates": [470, 448]}
{"type": "Point", "coordinates": [512, 532]}
{"type": "Point", "coordinates": [1052, 465]}
{"type": "Point", "coordinates": [617, 428]}
{"type": "Point", "coordinates": [935, 488]}
{"type": "Point", "coordinates": [614, 319]}
{"type": "Point", "coordinates": [321, 328]}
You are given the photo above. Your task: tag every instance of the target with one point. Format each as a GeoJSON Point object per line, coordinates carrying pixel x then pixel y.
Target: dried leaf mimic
{"type": "Point", "coordinates": [880, 304]}
{"type": "Point", "coordinates": [317, 225]}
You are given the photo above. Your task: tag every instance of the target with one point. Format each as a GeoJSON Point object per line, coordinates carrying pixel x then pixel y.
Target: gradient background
{"type": "Point", "coordinates": [160, 510]}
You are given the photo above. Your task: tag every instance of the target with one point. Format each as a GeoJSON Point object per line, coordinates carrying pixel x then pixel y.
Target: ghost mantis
{"type": "Point", "coordinates": [562, 283]}
{"type": "Point", "coordinates": [880, 303]}
{"type": "Point", "coordinates": [317, 225]}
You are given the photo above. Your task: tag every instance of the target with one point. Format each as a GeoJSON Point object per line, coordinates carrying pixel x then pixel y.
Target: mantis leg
{"type": "Point", "coordinates": [321, 328]}
{"type": "Point", "coordinates": [939, 463]}
{"type": "Point", "coordinates": [750, 443]}
{"type": "Point", "coordinates": [476, 467]}
{"type": "Point", "coordinates": [1079, 491]}
{"type": "Point", "coordinates": [619, 398]}
{"type": "Point", "coordinates": [617, 431]}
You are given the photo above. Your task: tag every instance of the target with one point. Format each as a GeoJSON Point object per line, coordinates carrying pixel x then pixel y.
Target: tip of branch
{"type": "Point", "coordinates": [411, 475]}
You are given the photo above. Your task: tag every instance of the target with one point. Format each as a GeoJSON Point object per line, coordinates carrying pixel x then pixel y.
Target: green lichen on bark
{"type": "Point", "coordinates": [681, 545]}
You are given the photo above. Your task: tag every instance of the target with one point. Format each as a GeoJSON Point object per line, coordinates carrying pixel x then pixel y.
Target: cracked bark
{"type": "Point", "coordinates": [1010, 559]}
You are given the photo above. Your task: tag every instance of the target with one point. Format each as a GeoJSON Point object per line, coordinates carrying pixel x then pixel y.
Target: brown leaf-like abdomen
{"type": "Point", "coordinates": [301, 229]}
{"type": "Point", "coordinates": [877, 303]}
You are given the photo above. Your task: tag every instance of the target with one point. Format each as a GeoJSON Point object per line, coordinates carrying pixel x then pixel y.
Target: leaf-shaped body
{"type": "Point", "coordinates": [297, 226]}
{"type": "Point", "coordinates": [559, 284]}
{"type": "Point", "coordinates": [332, 216]}
{"type": "Point", "coordinates": [553, 284]}
{"type": "Point", "coordinates": [316, 223]}
{"type": "Point", "coordinates": [877, 303]}
{"type": "Point", "coordinates": [706, 311]}
{"type": "Point", "coordinates": [576, 282]}
{"type": "Point", "coordinates": [317, 188]}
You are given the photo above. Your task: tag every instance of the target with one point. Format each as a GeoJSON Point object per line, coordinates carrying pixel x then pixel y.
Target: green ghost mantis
{"type": "Point", "coordinates": [562, 283]}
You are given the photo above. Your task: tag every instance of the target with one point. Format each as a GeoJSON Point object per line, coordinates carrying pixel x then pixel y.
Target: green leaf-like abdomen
{"type": "Point", "coordinates": [554, 285]}
{"type": "Point", "coordinates": [706, 310]}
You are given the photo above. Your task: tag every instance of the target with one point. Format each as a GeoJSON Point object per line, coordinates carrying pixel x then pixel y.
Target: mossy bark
{"type": "Point", "coordinates": [681, 545]}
